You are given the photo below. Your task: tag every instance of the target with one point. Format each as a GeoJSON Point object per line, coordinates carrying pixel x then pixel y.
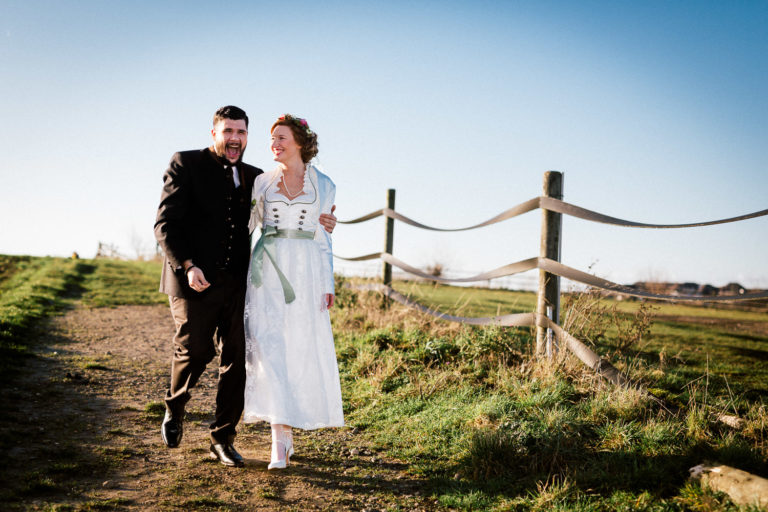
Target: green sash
{"type": "Point", "coordinates": [266, 244]}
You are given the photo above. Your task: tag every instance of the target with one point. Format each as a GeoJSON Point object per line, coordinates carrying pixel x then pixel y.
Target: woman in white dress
{"type": "Point", "coordinates": [292, 379]}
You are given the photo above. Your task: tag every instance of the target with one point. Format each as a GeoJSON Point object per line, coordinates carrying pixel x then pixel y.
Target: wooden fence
{"type": "Point", "coordinates": [547, 312]}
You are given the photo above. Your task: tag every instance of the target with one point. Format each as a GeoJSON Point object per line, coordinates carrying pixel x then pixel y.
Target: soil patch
{"type": "Point", "coordinates": [81, 432]}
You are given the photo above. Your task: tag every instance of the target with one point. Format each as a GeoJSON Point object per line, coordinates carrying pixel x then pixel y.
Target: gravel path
{"type": "Point", "coordinates": [94, 419]}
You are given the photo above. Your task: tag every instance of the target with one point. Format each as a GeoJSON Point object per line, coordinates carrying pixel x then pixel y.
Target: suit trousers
{"type": "Point", "coordinates": [212, 320]}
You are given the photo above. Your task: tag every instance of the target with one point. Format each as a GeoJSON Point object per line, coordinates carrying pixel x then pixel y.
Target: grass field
{"type": "Point", "coordinates": [469, 409]}
{"type": "Point", "coordinates": [497, 430]}
{"type": "Point", "coordinates": [30, 290]}
{"type": "Point", "coordinates": [687, 341]}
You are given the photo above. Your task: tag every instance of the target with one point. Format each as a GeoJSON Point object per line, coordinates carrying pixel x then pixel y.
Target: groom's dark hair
{"type": "Point", "coordinates": [230, 112]}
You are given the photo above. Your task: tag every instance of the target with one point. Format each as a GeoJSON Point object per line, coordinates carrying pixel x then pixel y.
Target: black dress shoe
{"type": "Point", "coordinates": [227, 455]}
{"type": "Point", "coordinates": [172, 430]}
{"type": "Point", "coordinates": [236, 456]}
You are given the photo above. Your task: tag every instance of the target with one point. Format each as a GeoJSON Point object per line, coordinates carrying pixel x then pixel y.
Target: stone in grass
{"type": "Point", "coordinates": [743, 488]}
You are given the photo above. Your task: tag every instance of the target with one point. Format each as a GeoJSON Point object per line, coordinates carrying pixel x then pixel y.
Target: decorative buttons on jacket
{"type": "Point", "coordinates": [274, 209]}
{"type": "Point", "coordinates": [303, 211]}
{"type": "Point", "coordinates": [301, 222]}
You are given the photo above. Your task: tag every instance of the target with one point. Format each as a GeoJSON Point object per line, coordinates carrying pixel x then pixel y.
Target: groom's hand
{"type": "Point", "coordinates": [328, 220]}
{"type": "Point", "coordinates": [197, 279]}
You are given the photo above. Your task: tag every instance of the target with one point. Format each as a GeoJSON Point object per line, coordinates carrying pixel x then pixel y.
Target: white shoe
{"type": "Point", "coordinates": [280, 455]}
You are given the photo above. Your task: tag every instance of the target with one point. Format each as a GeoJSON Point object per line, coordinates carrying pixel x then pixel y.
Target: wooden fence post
{"type": "Point", "coordinates": [386, 270]}
{"type": "Point", "coordinates": [548, 303]}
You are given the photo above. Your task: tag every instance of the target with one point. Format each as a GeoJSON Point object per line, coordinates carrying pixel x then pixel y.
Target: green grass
{"type": "Point", "coordinates": [468, 301]}
{"type": "Point", "coordinates": [721, 346]}
{"type": "Point", "coordinates": [115, 282]}
{"type": "Point", "coordinates": [31, 289]}
{"type": "Point", "coordinates": [9, 265]}
{"type": "Point", "coordinates": [470, 409]}
{"type": "Point", "coordinates": [493, 429]}
{"type": "Point", "coordinates": [705, 310]}
{"type": "Point", "coordinates": [732, 363]}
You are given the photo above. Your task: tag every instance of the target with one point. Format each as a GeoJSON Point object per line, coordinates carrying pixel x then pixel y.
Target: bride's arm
{"type": "Point", "coordinates": [323, 239]}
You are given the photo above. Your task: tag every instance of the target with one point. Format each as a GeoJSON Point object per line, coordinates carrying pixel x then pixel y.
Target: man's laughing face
{"type": "Point", "coordinates": [230, 136]}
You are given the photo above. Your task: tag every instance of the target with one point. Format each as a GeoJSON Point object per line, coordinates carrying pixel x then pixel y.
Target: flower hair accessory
{"type": "Point", "coordinates": [298, 121]}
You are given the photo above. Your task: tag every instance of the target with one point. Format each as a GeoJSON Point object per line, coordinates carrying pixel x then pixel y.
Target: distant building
{"type": "Point", "coordinates": [685, 289]}
{"type": "Point", "coordinates": [654, 287]}
{"type": "Point", "coordinates": [704, 290]}
{"type": "Point", "coordinates": [732, 289]}
{"type": "Point", "coordinates": [708, 290]}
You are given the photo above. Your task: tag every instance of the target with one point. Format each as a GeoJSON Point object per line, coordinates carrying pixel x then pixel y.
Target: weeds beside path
{"type": "Point", "coordinates": [445, 416]}
{"type": "Point", "coordinates": [81, 432]}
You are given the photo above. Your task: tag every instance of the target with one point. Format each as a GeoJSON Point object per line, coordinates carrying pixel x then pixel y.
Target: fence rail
{"type": "Point", "coordinates": [553, 267]}
{"type": "Point", "coordinates": [551, 204]}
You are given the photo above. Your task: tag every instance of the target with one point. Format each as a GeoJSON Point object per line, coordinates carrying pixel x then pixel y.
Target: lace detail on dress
{"type": "Point", "coordinates": [308, 191]}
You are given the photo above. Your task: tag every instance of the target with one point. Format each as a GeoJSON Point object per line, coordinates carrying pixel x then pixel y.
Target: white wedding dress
{"type": "Point", "coordinates": [292, 377]}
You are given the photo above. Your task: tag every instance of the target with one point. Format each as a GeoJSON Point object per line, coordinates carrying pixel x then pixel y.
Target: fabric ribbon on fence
{"type": "Point", "coordinates": [516, 320]}
{"type": "Point", "coordinates": [506, 270]}
{"type": "Point", "coordinates": [520, 209]}
{"type": "Point", "coordinates": [555, 205]}
{"type": "Point", "coordinates": [557, 268]}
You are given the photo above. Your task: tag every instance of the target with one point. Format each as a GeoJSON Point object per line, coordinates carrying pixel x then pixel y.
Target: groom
{"type": "Point", "coordinates": [202, 227]}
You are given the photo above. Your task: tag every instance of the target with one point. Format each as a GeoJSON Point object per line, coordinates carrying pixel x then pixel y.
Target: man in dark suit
{"type": "Point", "coordinates": [202, 227]}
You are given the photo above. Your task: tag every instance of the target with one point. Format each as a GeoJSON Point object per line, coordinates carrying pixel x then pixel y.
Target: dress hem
{"type": "Point", "coordinates": [253, 418]}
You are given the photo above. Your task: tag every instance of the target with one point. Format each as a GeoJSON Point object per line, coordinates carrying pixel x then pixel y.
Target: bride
{"type": "Point", "coordinates": [292, 378]}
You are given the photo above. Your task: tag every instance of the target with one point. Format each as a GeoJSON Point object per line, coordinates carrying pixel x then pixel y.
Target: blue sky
{"type": "Point", "coordinates": [654, 111]}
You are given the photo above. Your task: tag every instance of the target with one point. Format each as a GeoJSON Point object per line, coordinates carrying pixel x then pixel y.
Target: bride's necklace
{"type": "Point", "coordinates": [287, 191]}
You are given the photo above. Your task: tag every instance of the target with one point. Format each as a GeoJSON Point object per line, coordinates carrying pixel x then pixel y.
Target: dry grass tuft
{"type": "Point", "coordinates": [589, 317]}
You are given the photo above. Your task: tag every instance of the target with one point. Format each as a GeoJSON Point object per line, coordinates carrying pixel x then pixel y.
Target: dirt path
{"type": "Point", "coordinates": [88, 438]}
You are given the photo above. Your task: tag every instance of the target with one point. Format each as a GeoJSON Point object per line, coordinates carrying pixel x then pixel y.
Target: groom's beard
{"type": "Point", "coordinates": [220, 148]}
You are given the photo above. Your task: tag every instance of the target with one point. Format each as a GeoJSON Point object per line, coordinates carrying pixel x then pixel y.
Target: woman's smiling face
{"type": "Point", "coordinates": [284, 147]}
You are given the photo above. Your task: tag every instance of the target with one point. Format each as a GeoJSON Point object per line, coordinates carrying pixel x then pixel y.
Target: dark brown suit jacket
{"type": "Point", "coordinates": [192, 220]}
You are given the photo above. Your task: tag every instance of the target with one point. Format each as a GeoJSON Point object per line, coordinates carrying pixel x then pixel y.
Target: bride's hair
{"type": "Point", "coordinates": [303, 136]}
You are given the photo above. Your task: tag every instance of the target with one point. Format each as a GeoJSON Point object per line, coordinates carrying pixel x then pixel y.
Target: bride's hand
{"type": "Point", "coordinates": [328, 220]}
{"type": "Point", "coordinates": [328, 300]}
